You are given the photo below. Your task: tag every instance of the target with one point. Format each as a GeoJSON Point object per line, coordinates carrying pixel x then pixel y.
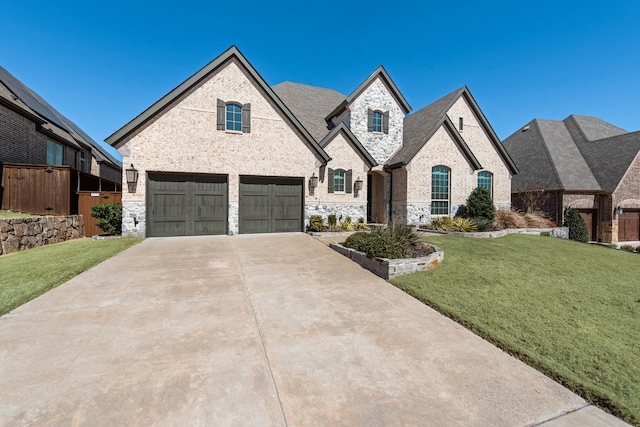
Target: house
{"type": "Point", "coordinates": [33, 132]}
{"type": "Point", "coordinates": [224, 152]}
{"type": "Point", "coordinates": [584, 163]}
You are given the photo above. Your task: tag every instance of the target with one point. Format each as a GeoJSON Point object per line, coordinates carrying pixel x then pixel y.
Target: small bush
{"type": "Point", "coordinates": [446, 223]}
{"type": "Point", "coordinates": [346, 224]}
{"type": "Point", "coordinates": [443, 223]}
{"type": "Point", "coordinates": [508, 219]}
{"type": "Point", "coordinates": [356, 240]}
{"type": "Point", "coordinates": [316, 223]}
{"type": "Point", "coordinates": [638, 249]}
{"type": "Point", "coordinates": [535, 221]}
{"type": "Point", "coordinates": [391, 242]}
{"type": "Point", "coordinates": [361, 220]}
{"type": "Point", "coordinates": [332, 220]}
{"type": "Point", "coordinates": [627, 248]}
{"type": "Point", "coordinates": [378, 245]}
{"type": "Point", "coordinates": [360, 226]}
{"type": "Point", "coordinates": [577, 227]}
{"type": "Point", "coordinates": [403, 234]}
{"type": "Point", "coordinates": [109, 217]}
{"type": "Point", "coordinates": [483, 224]}
{"type": "Point", "coordinates": [479, 205]}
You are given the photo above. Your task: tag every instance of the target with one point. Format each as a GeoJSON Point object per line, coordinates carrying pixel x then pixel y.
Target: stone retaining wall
{"type": "Point", "coordinates": [17, 234]}
{"type": "Point", "coordinates": [557, 232]}
{"type": "Point", "coordinates": [390, 268]}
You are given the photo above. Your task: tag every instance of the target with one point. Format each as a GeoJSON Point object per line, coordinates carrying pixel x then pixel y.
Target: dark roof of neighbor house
{"type": "Point", "coordinates": [420, 126]}
{"type": "Point", "coordinates": [579, 153]}
{"type": "Point", "coordinates": [18, 96]}
{"type": "Point", "coordinates": [379, 72]}
{"type": "Point", "coordinates": [233, 53]}
{"type": "Point", "coordinates": [310, 104]}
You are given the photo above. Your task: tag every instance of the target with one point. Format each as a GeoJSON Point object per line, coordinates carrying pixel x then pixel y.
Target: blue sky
{"type": "Point", "coordinates": [103, 63]}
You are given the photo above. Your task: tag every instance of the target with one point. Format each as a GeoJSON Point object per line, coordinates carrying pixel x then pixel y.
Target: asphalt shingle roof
{"type": "Point", "coordinates": [577, 153]}
{"type": "Point", "coordinates": [58, 124]}
{"type": "Point", "coordinates": [310, 105]}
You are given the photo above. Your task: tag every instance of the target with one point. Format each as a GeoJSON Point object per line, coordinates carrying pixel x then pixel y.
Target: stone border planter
{"type": "Point", "coordinates": [558, 232]}
{"type": "Point", "coordinates": [390, 268]}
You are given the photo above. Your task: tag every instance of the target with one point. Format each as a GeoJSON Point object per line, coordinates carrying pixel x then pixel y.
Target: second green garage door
{"type": "Point", "coordinates": [186, 204]}
{"type": "Point", "coordinates": [270, 205]}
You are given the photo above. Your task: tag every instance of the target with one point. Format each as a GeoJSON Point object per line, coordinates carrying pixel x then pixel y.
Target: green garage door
{"type": "Point", "coordinates": [270, 205]}
{"type": "Point", "coordinates": [186, 204]}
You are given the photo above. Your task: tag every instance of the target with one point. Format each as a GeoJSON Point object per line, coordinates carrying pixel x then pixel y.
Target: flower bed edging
{"type": "Point", "coordinates": [557, 232]}
{"type": "Point", "coordinates": [390, 268]}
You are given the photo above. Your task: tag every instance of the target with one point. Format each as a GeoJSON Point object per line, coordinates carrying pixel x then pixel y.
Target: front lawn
{"type": "Point", "coordinates": [568, 309]}
{"type": "Point", "coordinates": [28, 274]}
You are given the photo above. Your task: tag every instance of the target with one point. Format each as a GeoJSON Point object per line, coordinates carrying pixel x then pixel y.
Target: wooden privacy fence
{"type": "Point", "coordinates": [37, 189]}
{"type": "Point", "coordinates": [87, 199]}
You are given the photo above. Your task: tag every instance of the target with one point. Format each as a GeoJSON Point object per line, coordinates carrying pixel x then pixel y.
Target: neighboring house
{"type": "Point", "coordinates": [584, 163]}
{"type": "Point", "coordinates": [33, 132]}
{"type": "Point", "coordinates": [224, 152]}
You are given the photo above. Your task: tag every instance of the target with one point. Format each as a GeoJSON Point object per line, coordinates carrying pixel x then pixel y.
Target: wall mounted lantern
{"type": "Point", "coordinates": [313, 181]}
{"type": "Point", "coordinates": [358, 184]}
{"type": "Point", "coordinates": [618, 210]}
{"type": "Point", "coordinates": [132, 175]}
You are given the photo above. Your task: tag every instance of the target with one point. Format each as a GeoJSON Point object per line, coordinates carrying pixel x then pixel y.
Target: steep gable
{"type": "Point", "coordinates": [232, 55]}
{"type": "Point", "coordinates": [353, 142]}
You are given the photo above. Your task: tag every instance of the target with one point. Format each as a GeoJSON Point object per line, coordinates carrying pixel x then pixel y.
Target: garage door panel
{"type": "Point", "coordinates": [187, 204]}
{"type": "Point", "coordinates": [629, 226]}
{"type": "Point", "coordinates": [270, 205]}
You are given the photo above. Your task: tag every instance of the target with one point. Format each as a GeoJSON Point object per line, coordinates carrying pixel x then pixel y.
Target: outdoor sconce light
{"type": "Point", "coordinates": [132, 175]}
{"type": "Point", "coordinates": [618, 210]}
{"type": "Point", "coordinates": [358, 184]}
{"type": "Point", "coordinates": [313, 181]}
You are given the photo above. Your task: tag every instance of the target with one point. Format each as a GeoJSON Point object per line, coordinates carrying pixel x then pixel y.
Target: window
{"type": "Point", "coordinates": [234, 117]}
{"type": "Point", "coordinates": [377, 121]}
{"type": "Point", "coordinates": [54, 153]}
{"type": "Point", "coordinates": [81, 160]}
{"type": "Point", "coordinates": [485, 180]}
{"type": "Point", "coordinates": [340, 181]}
{"type": "Point", "coordinates": [440, 190]}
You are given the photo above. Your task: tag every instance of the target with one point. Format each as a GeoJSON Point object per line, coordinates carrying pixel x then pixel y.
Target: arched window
{"type": "Point", "coordinates": [485, 180]}
{"type": "Point", "coordinates": [234, 117]}
{"type": "Point", "coordinates": [440, 179]}
{"type": "Point", "coordinates": [338, 180]}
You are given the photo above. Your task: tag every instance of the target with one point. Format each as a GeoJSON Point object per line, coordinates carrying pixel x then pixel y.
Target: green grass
{"type": "Point", "coordinates": [28, 274]}
{"type": "Point", "coordinates": [4, 214]}
{"type": "Point", "coordinates": [568, 309]}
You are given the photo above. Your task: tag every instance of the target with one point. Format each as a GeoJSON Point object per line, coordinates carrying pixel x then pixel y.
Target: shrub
{"type": "Point", "coordinates": [332, 220]}
{"type": "Point", "coordinates": [577, 227]}
{"type": "Point", "coordinates": [403, 234]}
{"type": "Point", "coordinates": [627, 248]}
{"type": "Point", "coordinates": [465, 225]}
{"type": "Point", "coordinates": [446, 223]}
{"type": "Point", "coordinates": [316, 223]}
{"type": "Point", "coordinates": [535, 221]}
{"type": "Point", "coordinates": [479, 205]}
{"type": "Point", "coordinates": [443, 223]}
{"type": "Point", "coordinates": [508, 219]}
{"type": "Point", "coordinates": [361, 220]}
{"type": "Point", "coordinates": [378, 245]}
{"type": "Point", "coordinates": [483, 224]}
{"type": "Point", "coordinates": [361, 226]}
{"type": "Point", "coordinates": [357, 240]}
{"type": "Point", "coordinates": [109, 217]}
{"type": "Point", "coordinates": [346, 224]}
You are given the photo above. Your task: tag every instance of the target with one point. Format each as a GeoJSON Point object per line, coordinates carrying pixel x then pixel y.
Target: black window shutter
{"type": "Point", "coordinates": [246, 118]}
{"type": "Point", "coordinates": [385, 122]}
{"type": "Point", "coordinates": [220, 119]}
{"type": "Point", "coordinates": [330, 180]}
{"type": "Point", "coordinates": [348, 181]}
{"type": "Point", "coordinates": [370, 120]}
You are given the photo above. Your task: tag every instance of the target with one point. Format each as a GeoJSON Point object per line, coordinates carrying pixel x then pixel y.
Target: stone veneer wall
{"type": "Point", "coordinates": [354, 210]}
{"type": "Point", "coordinates": [17, 234]}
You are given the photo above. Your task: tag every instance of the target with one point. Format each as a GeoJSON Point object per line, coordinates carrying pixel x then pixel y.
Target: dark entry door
{"type": "Point", "coordinates": [270, 205]}
{"type": "Point", "coordinates": [590, 219]}
{"type": "Point", "coordinates": [186, 204]}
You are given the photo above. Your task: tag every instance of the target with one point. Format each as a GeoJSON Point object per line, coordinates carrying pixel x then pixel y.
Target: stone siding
{"type": "Point", "coordinates": [377, 97]}
{"type": "Point", "coordinates": [340, 210]}
{"type": "Point", "coordinates": [17, 234]}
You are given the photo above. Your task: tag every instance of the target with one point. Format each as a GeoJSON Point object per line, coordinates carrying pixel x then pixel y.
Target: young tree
{"type": "Point", "coordinates": [480, 205]}
{"type": "Point", "coordinates": [577, 227]}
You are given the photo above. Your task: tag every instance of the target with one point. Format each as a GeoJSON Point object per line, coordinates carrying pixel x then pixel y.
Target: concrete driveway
{"type": "Point", "coordinates": [269, 330]}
